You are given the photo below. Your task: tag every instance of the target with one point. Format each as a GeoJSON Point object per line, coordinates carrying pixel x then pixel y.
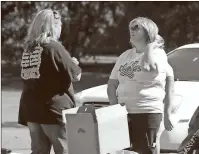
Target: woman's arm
{"type": "Point", "coordinates": [64, 64]}
{"type": "Point", "coordinates": [69, 63]}
{"type": "Point", "coordinates": [111, 91]}
{"type": "Point", "coordinates": [113, 81]}
{"type": "Point", "coordinates": [150, 55]}
{"type": "Point", "coordinates": [169, 89]}
{"type": "Point", "coordinates": [78, 77]}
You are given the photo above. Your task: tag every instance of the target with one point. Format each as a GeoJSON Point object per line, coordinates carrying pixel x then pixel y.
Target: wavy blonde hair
{"type": "Point", "coordinates": [42, 29]}
{"type": "Point", "coordinates": [151, 30]}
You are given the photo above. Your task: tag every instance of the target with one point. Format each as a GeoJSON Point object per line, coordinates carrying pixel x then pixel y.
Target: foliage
{"type": "Point", "coordinates": [94, 27]}
{"type": "Point", "coordinates": [82, 23]}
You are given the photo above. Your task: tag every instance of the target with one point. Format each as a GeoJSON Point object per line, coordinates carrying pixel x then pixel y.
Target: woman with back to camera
{"type": "Point", "coordinates": [138, 79]}
{"type": "Point", "coordinates": [47, 70]}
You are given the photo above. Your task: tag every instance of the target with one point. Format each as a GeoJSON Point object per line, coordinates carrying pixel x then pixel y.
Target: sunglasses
{"type": "Point", "coordinates": [135, 28]}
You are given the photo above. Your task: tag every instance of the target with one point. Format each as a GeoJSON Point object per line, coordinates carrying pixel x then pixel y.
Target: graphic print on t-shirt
{"type": "Point", "coordinates": [130, 69]}
{"type": "Point", "coordinates": [31, 63]}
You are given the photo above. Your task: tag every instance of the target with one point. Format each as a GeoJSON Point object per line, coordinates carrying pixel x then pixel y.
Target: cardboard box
{"type": "Point", "coordinates": [97, 131]}
{"type": "Point", "coordinates": [124, 152]}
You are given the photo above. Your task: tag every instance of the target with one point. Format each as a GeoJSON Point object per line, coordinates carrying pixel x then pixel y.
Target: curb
{"type": "Point", "coordinates": [11, 124]}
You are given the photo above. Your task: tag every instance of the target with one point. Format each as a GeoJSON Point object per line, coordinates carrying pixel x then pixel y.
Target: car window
{"type": "Point", "coordinates": [185, 63]}
{"type": "Point", "coordinates": [194, 119]}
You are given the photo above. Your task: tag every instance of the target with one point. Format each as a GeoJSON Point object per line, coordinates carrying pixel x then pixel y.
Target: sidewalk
{"type": "Point", "coordinates": [17, 139]}
{"type": "Point", "coordinates": [14, 136]}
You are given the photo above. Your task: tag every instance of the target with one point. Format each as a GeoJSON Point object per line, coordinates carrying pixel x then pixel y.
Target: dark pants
{"type": "Point", "coordinates": [143, 129]}
{"type": "Point", "coordinates": [44, 136]}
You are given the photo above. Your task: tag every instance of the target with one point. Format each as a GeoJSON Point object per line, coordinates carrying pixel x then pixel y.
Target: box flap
{"type": "Point", "coordinates": [99, 115]}
{"type": "Point", "coordinates": [88, 109]}
{"type": "Point", "coordinates": [113, 111]}
{"type": "Point", "coordinates": [69, 111]}
{"type": "Point", "coordinates": [124, 152]}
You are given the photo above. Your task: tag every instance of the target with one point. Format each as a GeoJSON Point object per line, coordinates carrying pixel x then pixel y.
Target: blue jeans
{"type": "Point", "coordinates": [44, 136]}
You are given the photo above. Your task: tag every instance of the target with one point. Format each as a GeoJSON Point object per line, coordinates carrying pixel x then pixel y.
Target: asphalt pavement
{"type": "Point", "coordinates": [14, 136]}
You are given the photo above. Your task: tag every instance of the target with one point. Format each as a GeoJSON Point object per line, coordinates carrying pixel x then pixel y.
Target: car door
{"type": "Point", "coordinates": [185, 63]}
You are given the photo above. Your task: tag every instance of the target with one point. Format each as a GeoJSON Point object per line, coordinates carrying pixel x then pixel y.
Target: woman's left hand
{"type": "Point", "coordinates": [150, 57]}
{"type": "Point", "coordinates": [152, 45]}
{"type": "Point", "coordinates": [168, 123]}
{"type": "Point", "coordinates": [155, 44]}
{"type": "Point", "coordinates": [149, 62]}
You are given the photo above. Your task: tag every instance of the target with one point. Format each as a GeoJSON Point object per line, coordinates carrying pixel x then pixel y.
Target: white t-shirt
{"type": "Point", "coordinates": [142, 91]}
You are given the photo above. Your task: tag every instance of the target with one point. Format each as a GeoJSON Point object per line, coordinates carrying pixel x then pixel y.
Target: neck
{"type": "Point", "coordinates": [140, 48]}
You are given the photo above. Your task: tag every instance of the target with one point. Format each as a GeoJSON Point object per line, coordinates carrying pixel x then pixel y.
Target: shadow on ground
{"type": "Point", "coordinates": [93, 75]}
{"type": "Point", "coordinates": [88, 80]}
{"type": "Point", "coordinates": [12, 124]}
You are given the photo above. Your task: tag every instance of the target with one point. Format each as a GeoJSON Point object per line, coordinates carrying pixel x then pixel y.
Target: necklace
{"type": "Point", "coordinates": [137, 57]}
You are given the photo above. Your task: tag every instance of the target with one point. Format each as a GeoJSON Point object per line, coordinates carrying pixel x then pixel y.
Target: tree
{"type": "Point", "coordinates": [182, 24]}
{"type": "Point", "coordinates": [82, 21]}
{"type": "Point", "coordinates": [99, 27]}
{"type": "Point", "coordinates": [178, 23]}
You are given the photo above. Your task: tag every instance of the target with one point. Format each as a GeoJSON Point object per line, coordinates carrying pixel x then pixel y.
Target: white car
{"type": "Point", "coordinates": [185, 63]}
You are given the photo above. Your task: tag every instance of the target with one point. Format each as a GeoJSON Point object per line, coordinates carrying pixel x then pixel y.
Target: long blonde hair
{"type": "Point", "coordinates": [42, 28]}
{"type": "Point", "coordinates": [151, 29]}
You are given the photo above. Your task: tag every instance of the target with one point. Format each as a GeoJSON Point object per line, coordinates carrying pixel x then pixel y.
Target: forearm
{"type": "Point", "coordinates": [168, 106]}
{"type": "Point", "coordinates": [75, 73]}
{"type": "Point", "coordinates": [169, 95]}
{"type": "Point", "coordinates": [111, 91]}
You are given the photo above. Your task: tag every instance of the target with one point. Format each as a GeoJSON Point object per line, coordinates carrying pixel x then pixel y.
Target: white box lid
{"type": "Point", "coordinates": [102, 114]}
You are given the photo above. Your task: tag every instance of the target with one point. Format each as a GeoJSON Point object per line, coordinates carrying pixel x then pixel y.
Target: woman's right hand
{"type": "Point", "coordinates": [111, 91]}
{"type": "Point", "coordinates": [75, 60]}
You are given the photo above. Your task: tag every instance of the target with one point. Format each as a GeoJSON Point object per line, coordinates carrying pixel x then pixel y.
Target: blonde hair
{"type": "Point", "coordinates": [151, 29]}
{"type": "Point", "coordinates": [41, 29]}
